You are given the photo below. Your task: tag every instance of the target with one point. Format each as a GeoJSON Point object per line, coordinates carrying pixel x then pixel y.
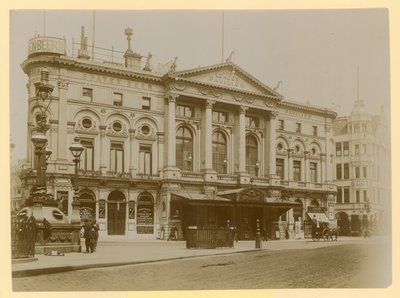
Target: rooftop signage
{"type": "Point", "coordinates": [52, 45]}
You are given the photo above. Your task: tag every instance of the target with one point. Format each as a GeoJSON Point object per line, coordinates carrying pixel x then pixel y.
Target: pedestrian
{"type": "Point", "coordinates": [287, 233]}
{"type": "Point", "coordinates": [173, 233]}
{"type": "Point", "coordinates": [95, 234]}
{"type": "Point", "coordinates": [235, 235]}
{"type": "Point", "coordinates": [88, 235]}
{"type": "Point", "coordinates": [265, 235]}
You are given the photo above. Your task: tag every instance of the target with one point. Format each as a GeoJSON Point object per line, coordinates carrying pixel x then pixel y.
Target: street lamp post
{"type": "Point", "coordinates": [76, 149]}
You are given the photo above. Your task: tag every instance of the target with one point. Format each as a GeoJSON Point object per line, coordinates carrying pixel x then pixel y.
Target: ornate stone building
{"type": "Point", "coordinates": [195, 147]}
{"type": "Point", "coordinates": [362, 171]}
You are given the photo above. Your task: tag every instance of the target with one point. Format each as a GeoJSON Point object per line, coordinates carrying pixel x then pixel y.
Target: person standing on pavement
{"type": "Point", "coordinates": [95, 234]}
{"type": "Point", "coordinates": [88, 235]}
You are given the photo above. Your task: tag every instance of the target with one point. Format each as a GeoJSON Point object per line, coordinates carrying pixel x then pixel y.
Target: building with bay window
{"type": "Point", "coordinates": [362, 171]}
{"type": "Point", "coordinates": [196, 147]}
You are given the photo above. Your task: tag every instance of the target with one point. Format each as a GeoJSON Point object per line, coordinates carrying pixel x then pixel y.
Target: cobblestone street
{"type": "Point", "coordinates": [355, 264]}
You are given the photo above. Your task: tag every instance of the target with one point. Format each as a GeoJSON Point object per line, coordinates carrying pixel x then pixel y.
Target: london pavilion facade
{"type": "Point", "coordinates": [196, 147]}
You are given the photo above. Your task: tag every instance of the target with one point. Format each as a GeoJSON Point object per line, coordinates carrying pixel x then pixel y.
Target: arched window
{"type": "Point", "coordinates": [184, 149]}
{"type": "Point", "coordinates": [252, 163]}
{"type": "Point", "coordinates": [219, 153]}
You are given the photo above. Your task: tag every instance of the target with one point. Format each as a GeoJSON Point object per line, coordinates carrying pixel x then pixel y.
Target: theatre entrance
{"type": "Point", "coordinates": [116, 213]}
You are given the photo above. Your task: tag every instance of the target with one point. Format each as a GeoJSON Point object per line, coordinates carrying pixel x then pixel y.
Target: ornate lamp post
{"type": "Point", "coordinates": [76, 149]}
{"type": "Point", "coordinates": [39, 139]}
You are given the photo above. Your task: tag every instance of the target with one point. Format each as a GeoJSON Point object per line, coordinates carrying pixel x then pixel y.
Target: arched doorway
{"type": "Point", "coordinates": [343, 222]}
{"type": "Point", "coordinates": [87, 209]}
{"type": "Point", "coordinates": [145, 214]}
{"type": "Point", "coordinates": [116, 213]}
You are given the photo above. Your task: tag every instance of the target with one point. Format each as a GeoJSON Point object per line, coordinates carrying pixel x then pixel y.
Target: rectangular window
{"type": "Point", "coordinates": [357, 172]}
{"type": "Point", "coordinates": [338, 171]}
{"type": "Point", "coordinates": [346, 171]}
{"type": "Point", "coordinates": [345, 148]}
{"type": "Point", "coordinates": [298, 127]}
{"type": "Point", "coordinates": [297, 170]}
{"type": "Point", "coordinates": [87, 157]}
{"type": "Point", "coordinates": [87, 94]}
{"type": "Point", "coordinates": [338, 149]}
{"type": "Point", "coordinates": [219, 116]}
{"type": "Point", "coordinates": [364, 127]}
{"type": "Point", "coordinates": [146, 103]}
{"type": "Point", "coordinates": [145, 160]}
{"type": "Point", "coordinates": [117, 99]}
{"type": "Point", "coordinates": [281, 124]}
{"type": "Point", "coordinates": [184, 111]}
{"type": "Point", "coordinates": [357, 149]}
{"type": "Point", "coordinates": [364, 146]}
{"type": "Point", "coordinates": [315, 130]}
{"type": "Point", "coordinates": [357, 196]}
{"type": "Point", "coordinates": [365, 196]}
{"type": "Point", "coordinates": [252, 121]}
{"type": "Point", "coordinates": [280, 170]}
{"type": "Point", "coordinates": [313, 172]}
{"type": "Point", "coordinates": [346, 192]}
{"type": "Point", "coordinates": [117, 157]}
{"type": "Point", "coordinates": [339, 196]}
{"type": "Point", "coordinates": [364, 172]}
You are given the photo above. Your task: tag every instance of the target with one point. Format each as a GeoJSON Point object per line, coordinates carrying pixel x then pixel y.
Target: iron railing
{"type": "Point", "coordinates": [23, 236]}
{"type": "Point", "coordinates": [209, 237]}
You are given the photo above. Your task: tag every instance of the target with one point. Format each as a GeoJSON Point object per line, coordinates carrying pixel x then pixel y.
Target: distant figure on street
{"type": "Point", "coordinates": [173, 233]}
{"type": "Point", "coordinates": [235, 235]}
{"type": "Point", "coordinates": [95, 234]}
{"type": "Point", "coordinates": [88, 235]}
{"type": "Point", "coordinates": [265, 236]}
{"type": "Point", "coordinates": [287, 233]}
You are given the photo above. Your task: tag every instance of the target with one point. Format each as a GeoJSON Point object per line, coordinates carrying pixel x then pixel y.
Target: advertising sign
{"type": "Point", "coordinates": [46, 45]}
{"type": "Point", "coordinates": [145, 216]}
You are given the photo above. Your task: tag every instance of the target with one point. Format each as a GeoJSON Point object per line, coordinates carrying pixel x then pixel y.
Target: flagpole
{"type": "Point", "coordinates": [44, 22]}
{"type": "Point", "coordinates": [222, 31]}
{"type": "Point", "coordinates": [94, 23]}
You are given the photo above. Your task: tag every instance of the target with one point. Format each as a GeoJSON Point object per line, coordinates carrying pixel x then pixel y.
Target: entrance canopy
{"type": "Point", "coordinates": [201, 199]}
{"type": "Point", "coordinates": [320, 217]}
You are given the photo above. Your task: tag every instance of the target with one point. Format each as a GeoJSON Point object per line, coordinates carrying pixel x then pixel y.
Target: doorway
{"type": "Point", "coordinates": [116, 213]}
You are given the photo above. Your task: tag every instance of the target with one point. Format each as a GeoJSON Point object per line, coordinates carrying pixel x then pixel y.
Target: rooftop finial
{"type": "Point", "coordinates": [129, 33]}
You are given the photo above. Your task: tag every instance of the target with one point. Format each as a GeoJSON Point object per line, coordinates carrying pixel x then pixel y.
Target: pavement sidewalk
{"type": "Point", "coordinates": [116, 253]}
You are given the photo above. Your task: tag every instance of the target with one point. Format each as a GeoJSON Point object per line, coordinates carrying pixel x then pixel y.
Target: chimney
{"type": "Point", "coordinates": [83, 53]}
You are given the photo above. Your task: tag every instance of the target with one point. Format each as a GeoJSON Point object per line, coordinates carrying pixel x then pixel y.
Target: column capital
{"type": "Point", "coordinates": [132, 132]}
{"type": "Point", "coordinates": [273, 114]}
{"type": "Point", "coordinates": [63, 84]}
{"type": "Point", "coordinates": [243, 109]}
{"type": "Point", "coordinates": [210, 103]}
{"type": "Point", "coordinates": [171, 96]}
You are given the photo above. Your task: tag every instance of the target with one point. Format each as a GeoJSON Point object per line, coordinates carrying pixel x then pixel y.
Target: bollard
{"type": "Point", "coordinates": [258, 236]}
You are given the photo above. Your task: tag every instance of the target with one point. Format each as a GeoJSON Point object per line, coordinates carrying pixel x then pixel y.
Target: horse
{"type": "Point", "coordinates": [334, 233]}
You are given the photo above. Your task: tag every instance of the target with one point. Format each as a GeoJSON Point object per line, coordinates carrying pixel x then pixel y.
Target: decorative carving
{"type": "Point", "coordinates": [171, 96]}
{"type": "Point", "coordinates": [243, 109]}
{"type": "Point", "coordinates": [147, 135]}
{"type": "Point", "coordinates": [179, 87]}
{"type": "Point", "coordinates": [132, 115]}
{"type": "Point", "coordinates": [209, 103]}
{"type": "Point", "coordinates": [103, 111]}
{"type": "Point", "coordinates": [203, 91]}
{"type": "Point", "coordinates": [250, 99]}
{"type": "Point", "coordinates": [216, 94]}
{"type": "Point", "coordinates": [237, 97]}
{"type": "Point", "coordinates": [252, 194]}
{"type": "Point", "coordinates": [122, 133]}
{"type": "Point", "coordinates": [273, 114]}
{"type": "Point", "coordinates": [270, 104]}
{"type": "Point", "coordinates": [81, 126]}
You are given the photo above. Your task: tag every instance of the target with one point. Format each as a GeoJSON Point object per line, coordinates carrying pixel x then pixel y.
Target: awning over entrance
{"type": "Point", "coordinates": [320, 217]}
{"type": "Point", "coordinates": [201, 199]}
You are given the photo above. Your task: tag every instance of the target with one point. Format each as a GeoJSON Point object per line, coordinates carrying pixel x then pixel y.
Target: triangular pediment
{"type": "Point", "coordinates": [226, 75]}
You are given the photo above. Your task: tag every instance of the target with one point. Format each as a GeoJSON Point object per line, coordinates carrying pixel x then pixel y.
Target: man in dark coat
{"type": "Point", "coordinates": [88, 235]}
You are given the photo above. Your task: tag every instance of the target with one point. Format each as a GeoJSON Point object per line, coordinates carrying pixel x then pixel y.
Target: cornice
{"type": "Point", "coordinates": [300, 107]}
{"type": "Point", "coordinates": [88, 66]}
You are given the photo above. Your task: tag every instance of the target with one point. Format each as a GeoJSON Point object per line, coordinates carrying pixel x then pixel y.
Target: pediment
{"type": "Point", "coordinates": [226, 75]}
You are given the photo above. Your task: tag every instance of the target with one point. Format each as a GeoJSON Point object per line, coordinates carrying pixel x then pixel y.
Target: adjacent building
{"type": "Point", "coordinates": [208, 146]}
{"type": "Point", "coordinates": [362, 171]}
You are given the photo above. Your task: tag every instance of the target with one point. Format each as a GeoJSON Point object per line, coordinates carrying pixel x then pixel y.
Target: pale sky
{"type": "Point", "coordinates": [315, 53]}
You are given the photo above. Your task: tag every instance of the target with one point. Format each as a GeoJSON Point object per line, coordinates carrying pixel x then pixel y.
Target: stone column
{"type": "Point", "coordinates": [307, 178]}
{"type": "Point", "coordinates": [242, 139]}
{"type": "Point", "coordinates": [103, 165]}
{"type": "Point", "coordinates": [272, 141]}
{"type": "Point", "coordinates": [290, 165]}
{"type": "Point", "coordinates": [160, 141]}
{"type": "Point", "coordinates": [171, 128]}
{"type": "Point", "coordinates": [132, 163]}
{"type": "Point", "coordinates": [62, 148]}
{"type": "Point", "coordinates": [208, 135]}
{"type": "Point", "coordinates": [171, 172]}
{"type": "Point", "coordinates": [323, 168]}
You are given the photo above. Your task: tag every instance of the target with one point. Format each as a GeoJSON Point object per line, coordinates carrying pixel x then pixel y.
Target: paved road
{"type": "Point", "coordinates": [353, 265]}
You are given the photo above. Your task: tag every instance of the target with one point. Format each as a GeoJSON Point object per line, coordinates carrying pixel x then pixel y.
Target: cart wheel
{"type": "Point", "coordinates": [325, 234]}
